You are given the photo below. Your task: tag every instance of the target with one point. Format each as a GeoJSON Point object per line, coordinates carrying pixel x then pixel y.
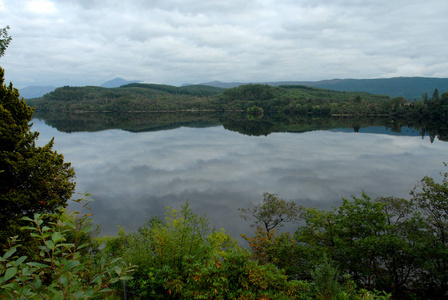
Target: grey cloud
{"type": "Point", "coordinates": [171, 41]}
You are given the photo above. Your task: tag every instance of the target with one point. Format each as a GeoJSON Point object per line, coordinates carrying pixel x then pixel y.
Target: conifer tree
{"type": "Point", "coordinates": [32, 179]}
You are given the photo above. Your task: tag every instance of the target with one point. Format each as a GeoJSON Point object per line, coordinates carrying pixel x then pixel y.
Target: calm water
{"type": "Point", "coordinates": [133, 176]}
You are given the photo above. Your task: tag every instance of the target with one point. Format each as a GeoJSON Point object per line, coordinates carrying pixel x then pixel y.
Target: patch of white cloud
{"type": "Point", "coordinates": [41, 7]}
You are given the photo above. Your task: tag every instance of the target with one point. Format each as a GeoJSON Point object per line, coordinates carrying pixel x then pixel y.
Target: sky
{"type": "Point", "coordinates": [88, 42]}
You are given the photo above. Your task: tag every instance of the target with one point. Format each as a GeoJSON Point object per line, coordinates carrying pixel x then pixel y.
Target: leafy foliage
{"type": "Point", "coordinates": [272, 212]}
{"type": "Point", "coordinates": [33, 179]}
{"type": "Point", "coordinates": [180, 257]}
{"type": "Point", "coordinates": [67, 268]}
{"type": "Point", "coordinates": [5, 39]}
{"type": "Point", "coordinates": [431, 198]}
{"type": "Point", "coordinates": [389, 244]}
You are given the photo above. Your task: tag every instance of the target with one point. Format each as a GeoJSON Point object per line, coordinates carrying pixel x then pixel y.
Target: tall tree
{"type": "Point", "coordinates": [432, 199]}
{"type": "Point", "coordinates": [32, 179]}
{"type": "Point", "coordinates": [435, 95]}
{"type": "Point", "coordinates": [272, 212]}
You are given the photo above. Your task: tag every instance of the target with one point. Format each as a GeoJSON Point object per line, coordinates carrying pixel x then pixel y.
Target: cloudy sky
{"type": "Point", "coordinates": [82, 42]}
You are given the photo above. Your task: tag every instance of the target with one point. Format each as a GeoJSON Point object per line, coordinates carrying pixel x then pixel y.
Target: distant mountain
{"type": "Point", "coordinates": [30, 92]}
{"type": "Point", "coordinates": [225, 85]}
{"type": "Point", "coordinates": [117, 82]}
{"type": "Point", "coordinates": [409, 87]}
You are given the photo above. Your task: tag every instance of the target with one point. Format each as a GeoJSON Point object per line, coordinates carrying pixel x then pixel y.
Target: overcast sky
{"type": "Point", "coordinates": [88, 42]}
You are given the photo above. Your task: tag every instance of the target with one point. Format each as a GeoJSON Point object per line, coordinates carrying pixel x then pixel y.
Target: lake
{"type": "Point", "coordinates": [134, 174]}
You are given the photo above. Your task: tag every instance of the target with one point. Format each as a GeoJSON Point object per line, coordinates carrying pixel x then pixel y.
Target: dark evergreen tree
{"type": "Point", "coordinates": [32, 179]}
{"type": "Point", "coordinates": [435, 96]}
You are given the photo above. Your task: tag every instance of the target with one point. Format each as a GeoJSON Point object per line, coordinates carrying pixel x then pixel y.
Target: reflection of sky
{"type": "Point", "coordinates": [133, 176]}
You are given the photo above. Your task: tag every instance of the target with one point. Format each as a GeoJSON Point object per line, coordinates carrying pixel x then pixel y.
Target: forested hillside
{"type": "Point", "coordinates": [132, 97]}
{"type": "Point", "coordinates": [152, 97]}
{"type": "Point", "coordinates": [255, 99]}
{"type": "Point", "coordinates": [409, 87]}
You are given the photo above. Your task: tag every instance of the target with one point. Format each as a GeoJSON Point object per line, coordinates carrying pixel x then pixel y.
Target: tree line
{"type": "Point", "coordinates": [253, 98]}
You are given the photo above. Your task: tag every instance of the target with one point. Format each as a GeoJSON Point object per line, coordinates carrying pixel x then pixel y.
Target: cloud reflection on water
{"type": "Point", "coordinates": [133, 176]}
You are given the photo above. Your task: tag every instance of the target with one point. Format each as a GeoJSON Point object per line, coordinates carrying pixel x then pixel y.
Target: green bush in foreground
{"type": "Point", "coordinates": [177, 258]}
{"type": "Point", "coordinates": [67, 267]}
{"type": "Point", "coordinates": [182, 258]}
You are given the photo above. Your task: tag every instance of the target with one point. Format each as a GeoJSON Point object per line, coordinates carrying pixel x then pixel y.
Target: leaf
{"type": "Point", "coordinates": [83, 246]}
{"type": "Point", "coordinates": [118, 270]}
{"type": "Point", "coordinates": [50, 245]}
{"type": "Point", "coordinates": [71, 225]}
{"type": "Point", "coordinates": [66, 246]}
{"type": "Point", "coordinates": [28, 228]}
{"type": "Point", "coordinates": [97, 278]}
{"type": "Point", "coordinates": [57, 237]}
{"type": "Point", "coordinates": [45, 228]}
{"type": "Point", "coordinates": [87, 229]}
{"type": "Point", "coordinates": [20, 260]}
{"type": "Point", "coordinates": [11, 272]}
{"type": "Point", "coordinates": [78, 294]}
{"type": "Point", "coordinates": [37, 283]}
{"type": "Point", "coordinates": [114, 260]}
{"type": "Point", "coordinates": [63, 281]}
{"type": "Point", "coordinates": [37, 265]}
{"type": "Point", "coordinates": [126, 277]}
{"type": "Point", "coordinates": [9, 253]}
{"type": "Point", "coordinates": [70, 265]}
{"type": "Point", "coordinates": [112, 281]}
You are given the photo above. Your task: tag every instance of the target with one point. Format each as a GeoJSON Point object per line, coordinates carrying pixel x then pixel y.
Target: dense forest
{"type": "Point", "coordinates": [412, 88]}
{"type": "Point", "coordinates": [252, 98]}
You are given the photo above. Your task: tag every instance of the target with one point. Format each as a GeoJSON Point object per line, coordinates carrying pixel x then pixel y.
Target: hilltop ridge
{"type": "Point", "coordinates": [409, 87]}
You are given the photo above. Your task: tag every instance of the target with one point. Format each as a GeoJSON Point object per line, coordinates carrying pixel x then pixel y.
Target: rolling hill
{"type": "Point", "coordinates": [409, 87]}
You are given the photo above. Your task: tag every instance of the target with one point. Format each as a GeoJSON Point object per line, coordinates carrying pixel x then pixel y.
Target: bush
{"type": "Point", "coordinates": [68, 267]}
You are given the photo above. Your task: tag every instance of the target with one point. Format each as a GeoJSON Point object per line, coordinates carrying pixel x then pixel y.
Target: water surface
{"type": "Point", "coordinates": [135, 175]}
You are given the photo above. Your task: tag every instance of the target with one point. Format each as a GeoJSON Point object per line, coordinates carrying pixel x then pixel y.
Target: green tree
{"type": "Point", "coordinates": [272, 212]}
{"type": "Point", "coordinates": [444, 98]}
{"type": "Point", "coordinates": [4, 40]}
{"type": "Point", "coordinates": [431, 198]}
{"type": "Point", "coordinates": [182, 258]}
{"type": "Point", "coordinates": [32, 179]}
{"type": "Point", "coordinates": [435, 95]}
{"type": "Point", "coordinates": [378, 243]}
